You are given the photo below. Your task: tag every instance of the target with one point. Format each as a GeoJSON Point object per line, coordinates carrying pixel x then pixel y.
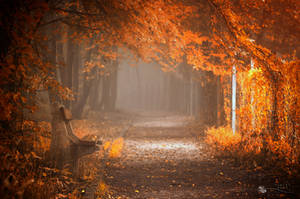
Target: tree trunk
{"type": "Point", "coordinates": [68, 76]}
{"type": "Point", "coordinates": [87, 84]}
{"type": "Point", "coordinates": [78, 109]}
{"type": "Point", "coordinates": [274, 115]}
{"type": "Point", "coordinates": [105, 94]}
{"type": "Point", "coordinates": [109, 88]}
{"type": "Point", "coordinates": [76, 66]}
{"type": "Point", "coordinates": [61, 60]}
{"type": "Point", "coordinates": [58, 141]}
{"type": "Point", "coordinates": [113, 87]}
{"type": "Point", "coordinates": [65, 146]}
{"type": "Point", "coordinates": [94, 95]}
{"type": "Point", "coordinates": [220, 103]}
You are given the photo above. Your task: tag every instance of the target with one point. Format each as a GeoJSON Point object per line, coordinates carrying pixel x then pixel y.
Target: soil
{"type": "Point", "coordinates": [162, 158]}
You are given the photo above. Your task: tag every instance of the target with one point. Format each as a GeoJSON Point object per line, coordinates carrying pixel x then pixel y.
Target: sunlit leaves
{"type": "Point", "coordinates": [116, 148]}
{"type": "Point", "coordinates": [223, 138]}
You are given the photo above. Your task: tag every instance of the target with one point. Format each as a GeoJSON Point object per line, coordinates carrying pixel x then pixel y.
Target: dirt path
{"type": "Point", "coordinates": [162, 159]}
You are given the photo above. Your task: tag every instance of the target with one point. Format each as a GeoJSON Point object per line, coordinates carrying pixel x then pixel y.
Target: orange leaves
{"type": "Point", "coordinates": [102, 189]}
{"type": "Point", "coordinates": [106, 145]}
{"type": "Point", "coordinates": [255, 100]}
{"type": "Point", "coordinates": [283, 150]}
{"type": "Point", "coordinates": [223, 138]}
{"type": "Point", "coordinates": [38, 135]}
{"type": "Point", "coordinates": [6, 107]}
{"type": "Point", "coordinates": [116, 148]}
{"type": "Point", "coordinates": [90, 65]}
{"type": "Point", "coordinates": [191, 37]}
{"type": "Point", "coordinates": [154, 26]}
{"type": "Point", "coordinates": [259, 102]}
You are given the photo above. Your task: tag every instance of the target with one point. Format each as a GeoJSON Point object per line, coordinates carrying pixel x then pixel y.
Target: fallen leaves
{"type": "Point", "coordinates": [106, 145]}
{"type": "Point", "coordinates": [116, 148]}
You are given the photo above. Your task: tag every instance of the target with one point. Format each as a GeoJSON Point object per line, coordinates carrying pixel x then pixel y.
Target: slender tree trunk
{"type": "Point", "coordinates": [105, 93]}
{"type": "Point", "coordinates": [61, 60]}
{"type": "Point", "coordinates": [76, 67]}
{"type": "Point", "coordinates": [94, 95]}
{"type": "Point", "coordinates": [109, 89]}
{"type": "Point", "coordinates": [274, 115]}
{"type": "Point", "coordinates": [220, 103]}
{"type": "Point", "coordinates": [68, 76]}
{"type": "Point", "coordinates": [113, 87]}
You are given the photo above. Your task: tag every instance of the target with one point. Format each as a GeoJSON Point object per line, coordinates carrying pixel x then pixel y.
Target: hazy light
{"type": "Point", "coordinates": [168, 146]}
{"type": "Point", "coordinates": [159, 124]}
{"type": "Point", "coordinates": [167, 121]}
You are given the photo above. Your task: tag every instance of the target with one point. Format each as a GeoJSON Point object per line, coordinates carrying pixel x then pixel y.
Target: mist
{"type": "Point", "coordinates": [149, 99]}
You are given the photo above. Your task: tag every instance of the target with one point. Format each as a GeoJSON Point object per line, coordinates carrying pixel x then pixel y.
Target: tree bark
{"type": "Point", "coordinates": [68, 76]}
{"type": "Point", "coordinates": [113, 87]}
{"type": "Point", "coordinates": [58, 141]}
{"type": "Point", "coordinates": [76, 67]}
{"type": "Point", "coordinates": [94, 95]}
{"type": "Point", "coordinates": [87, 84]}
{"type": "Point", "coordinates": [109, 88]}
{"type": "Point", "coordinates": [65, 146]}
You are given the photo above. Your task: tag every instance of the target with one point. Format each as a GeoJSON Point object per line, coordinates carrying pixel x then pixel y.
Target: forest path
{"type": "Point", "coordinates": [161, 158]}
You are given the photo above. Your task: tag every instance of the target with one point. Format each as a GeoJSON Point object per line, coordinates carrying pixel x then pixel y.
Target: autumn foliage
{"type": "Point", "coordinates": [268, 79]}
{"type": "Point", "coordinates": [209, 35]}
{"type": "Point", "coordinates": [260, 136]}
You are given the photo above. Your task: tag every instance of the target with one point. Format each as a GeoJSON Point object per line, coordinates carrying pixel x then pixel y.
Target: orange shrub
{"type": "Point", "coordinates": [222, 138]}
{"type": "Point", "coordinates": [116, 148]}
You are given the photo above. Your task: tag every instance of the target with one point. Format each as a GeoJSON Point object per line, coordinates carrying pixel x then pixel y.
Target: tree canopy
{"type": "Point", "coordinates": [42, 40]}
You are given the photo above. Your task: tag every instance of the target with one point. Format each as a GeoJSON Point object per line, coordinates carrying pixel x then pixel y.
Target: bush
{"type": "Point", "coordinates": [222, 138]}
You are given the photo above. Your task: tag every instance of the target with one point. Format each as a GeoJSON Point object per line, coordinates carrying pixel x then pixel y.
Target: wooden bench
{"type": "Point", "coordinates": [67, 117]}
{"type": "Point", "coordinates": [78, 147]}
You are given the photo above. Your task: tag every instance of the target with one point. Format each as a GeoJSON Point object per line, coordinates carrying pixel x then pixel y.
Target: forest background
{"type": "Point", "coordinates": [70, 48]}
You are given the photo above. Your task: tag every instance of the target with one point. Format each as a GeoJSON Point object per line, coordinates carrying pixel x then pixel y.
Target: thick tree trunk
{"type": "Point", "coordinates": [78, 109]}
{"type": "Point", "coordinates": [65, 146]}
{"type": "Point", "coordinates": [58, 141]}
{"type": "Point", "coordinates": [60, 144]}
{"type": "Point", "coordinates": [87, 84]}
